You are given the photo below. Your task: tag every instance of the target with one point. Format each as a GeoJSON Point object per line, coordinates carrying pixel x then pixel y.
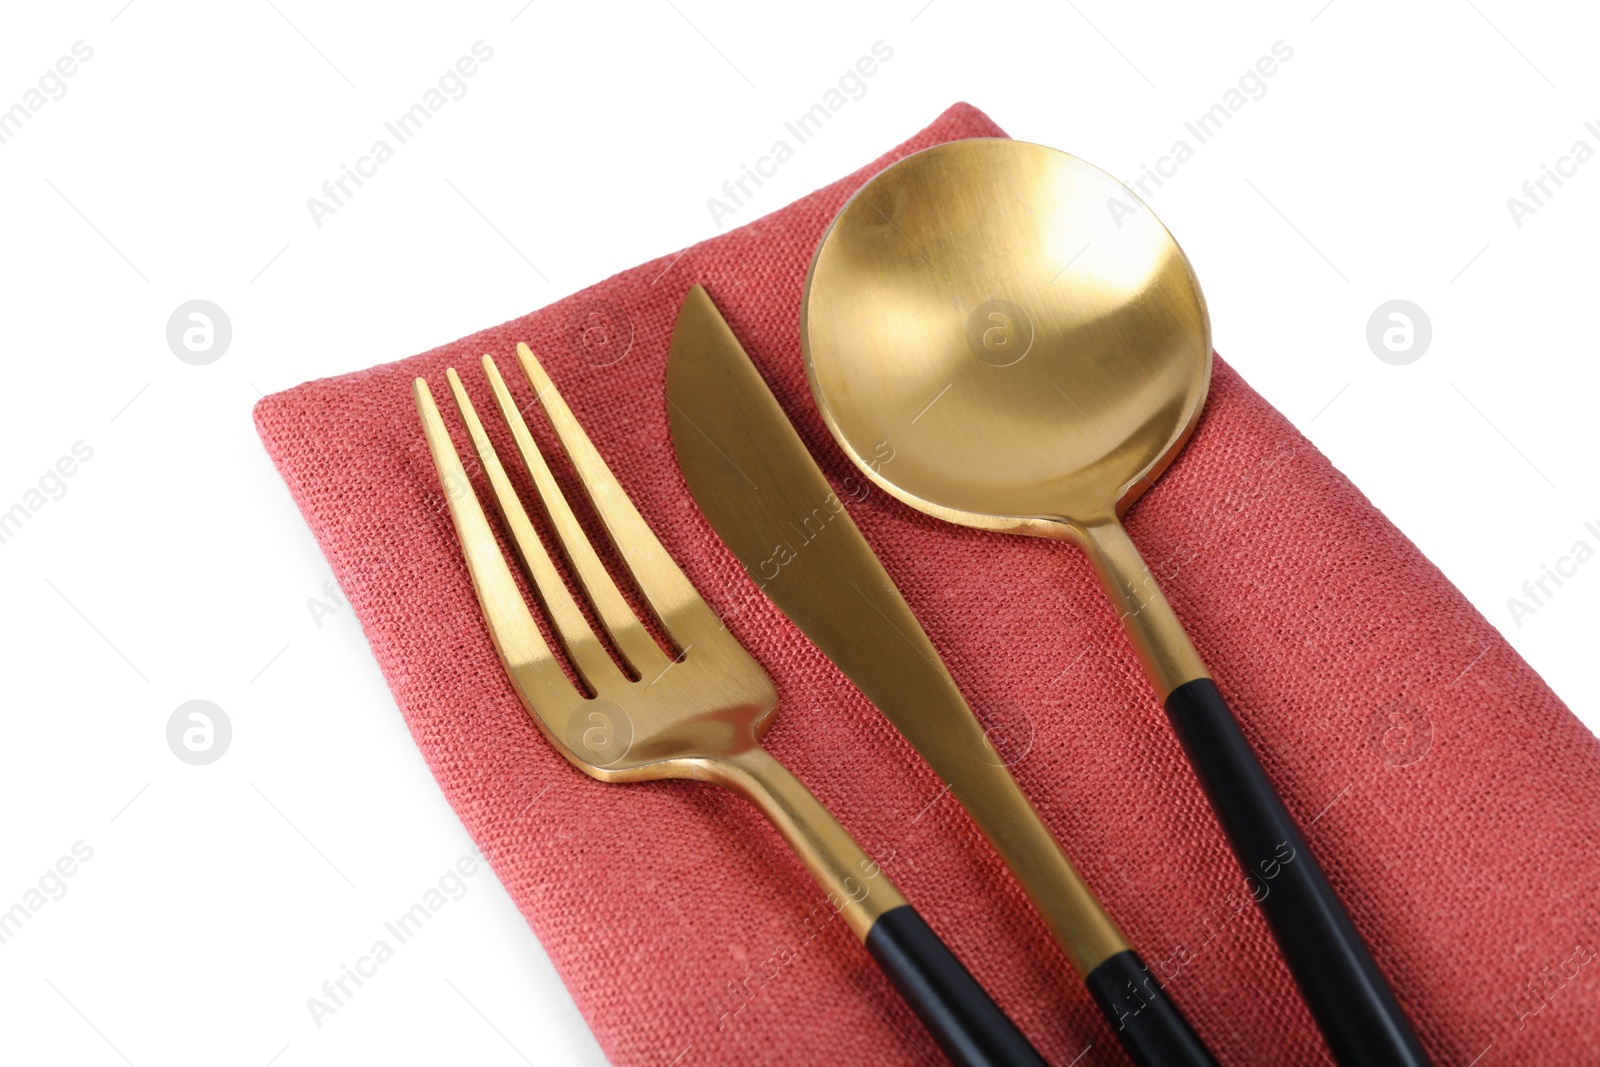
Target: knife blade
{"type": "Point", "coordinates": [765, 496]}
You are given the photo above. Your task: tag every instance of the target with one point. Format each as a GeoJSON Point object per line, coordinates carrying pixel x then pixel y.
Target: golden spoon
{"type": "Point", "coordinates": [1035, 350]}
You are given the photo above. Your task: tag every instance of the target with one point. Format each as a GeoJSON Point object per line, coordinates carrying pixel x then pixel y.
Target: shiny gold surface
{"type": "Point", "coordinates": [762, 492]}
{"type": "Point", "coordinates": [699, 715]}
{"type": "Point", "coordinates": [1034, 354]}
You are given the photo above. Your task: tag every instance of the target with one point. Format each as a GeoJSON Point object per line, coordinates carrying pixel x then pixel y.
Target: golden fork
{"type": "Point", "coordinates": [699, 715]}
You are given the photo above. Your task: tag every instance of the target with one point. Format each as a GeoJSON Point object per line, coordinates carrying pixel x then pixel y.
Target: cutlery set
{"type": "Point", "coordinates": [1032, 363]}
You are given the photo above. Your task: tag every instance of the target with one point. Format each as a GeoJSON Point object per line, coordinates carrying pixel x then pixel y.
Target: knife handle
{"type": "Point", "coordinates": [969, 1026]}
{"type": "Point", "coordinates": [1352, 1004]}
{"type": "Point", "coordinates": [1152, 1030]}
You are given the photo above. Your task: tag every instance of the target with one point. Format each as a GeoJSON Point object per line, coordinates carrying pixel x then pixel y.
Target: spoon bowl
{"type": "Point", "coordinates": [1035, 351]}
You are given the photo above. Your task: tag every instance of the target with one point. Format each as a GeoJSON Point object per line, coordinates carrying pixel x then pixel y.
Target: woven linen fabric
{"type": "Point", "coordinates": [1452, 798]}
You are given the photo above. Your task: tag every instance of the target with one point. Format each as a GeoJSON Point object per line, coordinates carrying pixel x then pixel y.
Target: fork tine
{"type": "Point", "coordinates": [635, 643]}
{"type": "Point", "coordinates": [682, 612]}
{"type": "Point", "coordinates": [516, 637]}
{"type": "Point", "coordinates": [589, 658]}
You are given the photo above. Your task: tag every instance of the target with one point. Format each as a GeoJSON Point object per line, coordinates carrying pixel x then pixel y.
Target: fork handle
{"type": "Point", "coordinates": [1153, 1032]}
{"type": "Point", "coordinates": [956, 1010]}
{"type": "Point", "coordinates": [958, 1013]}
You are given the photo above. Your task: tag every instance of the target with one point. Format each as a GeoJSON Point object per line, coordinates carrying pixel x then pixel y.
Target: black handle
{"type": "Point", "coordinates": [1352, 1004]}
{"type": "Point", "coordinates": [1150, 1027]}
{"type": "Point", "coordinates": [970, 1027]}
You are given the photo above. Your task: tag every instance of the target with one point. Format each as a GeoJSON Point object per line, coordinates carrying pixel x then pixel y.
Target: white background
{"type": "Point", "coordinates": [177, 166]}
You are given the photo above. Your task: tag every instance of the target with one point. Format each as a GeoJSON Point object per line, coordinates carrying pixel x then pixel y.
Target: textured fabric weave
{"type": "Point", "coordinates": [1452, 798]}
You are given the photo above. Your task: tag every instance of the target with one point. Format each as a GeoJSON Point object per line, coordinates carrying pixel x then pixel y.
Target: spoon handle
{"type": "Point", "coordinates": [1353, 1005]}
{"type": "Point", "coordinates": [1348, 997]}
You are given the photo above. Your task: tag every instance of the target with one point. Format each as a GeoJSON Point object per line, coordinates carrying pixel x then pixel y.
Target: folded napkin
{"type": "Point", "coordinates": [1454, 801]}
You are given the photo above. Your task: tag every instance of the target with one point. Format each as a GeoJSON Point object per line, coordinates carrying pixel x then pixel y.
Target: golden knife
{"type": "Point", "coordinates": [765, 496]}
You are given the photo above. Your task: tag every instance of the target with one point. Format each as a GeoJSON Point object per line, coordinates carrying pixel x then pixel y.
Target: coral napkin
{"type": "Point", "coordinates": [1454, 801]}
